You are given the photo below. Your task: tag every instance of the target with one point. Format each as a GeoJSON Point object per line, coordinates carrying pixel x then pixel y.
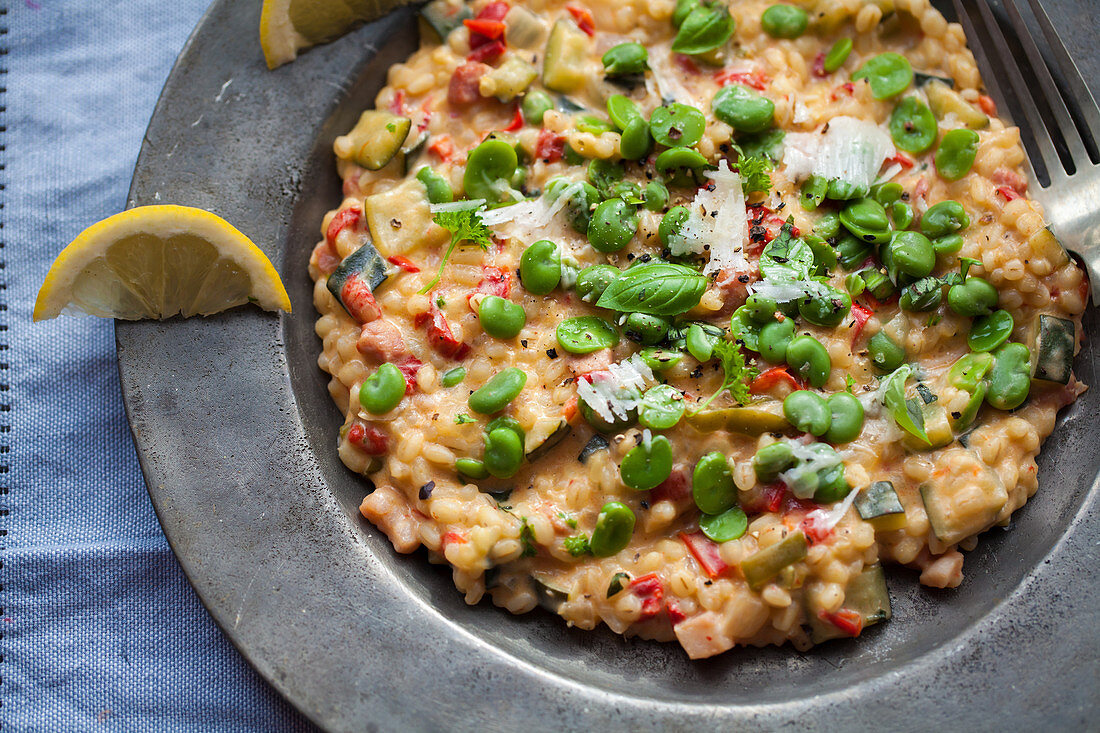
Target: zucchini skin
{"type": "Point", "coordinates": [1055, 340]}
{"type": "Point", "coordinates": [364, 264]}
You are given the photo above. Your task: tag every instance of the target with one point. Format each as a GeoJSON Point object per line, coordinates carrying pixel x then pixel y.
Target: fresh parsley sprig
{"type": "Point", "coordinates": [465, 225]}
{"type": "Point", "coordinates": [736, 374]}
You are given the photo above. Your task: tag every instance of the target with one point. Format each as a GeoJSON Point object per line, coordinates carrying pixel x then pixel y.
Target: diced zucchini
{"type": "Point", "coordinates": [400, 220]}
{"type": "Point", "coordinates": [509, 80]}
{"type": "Point", "coordinates": [443, 16]}
{"type": "Point", "coordinates": [943, 100]}
{"type": "Point", "coordinates": [765, 416]}
{"type": "Point", "coordinates": [411, 150]}
{"type": "Point", "coordinates": [375, 140]}
{"type": "Point", "coordinates": [550, 593]}
{"type": "Point", "coordinates": [595, 444]}
{"type": "Point", "coordinates": [1044, 244]}
{"type": "Point", "coordinates": [963, 500]}
{"type": "Point", "coordinates": [867, 595]}
{"type": "Point", "coordinates": [879, 505]}
{"type": "Point", "coordinates": [936, 426]}
{"type": "Point", "coordinates": [540, 442]}
{"type": "Point", "coordinates": [522, 28]}
{"type": "Point", "coordinates": [921, 78]}
{"type": "Point", "coordinates": [364, 263]}
{"type": "Point", "coordinates": [566, 54]}
{"type": "Point", "coordinates": [763, 565]}
{"type": "Point", "coordinates": [1053, 342]}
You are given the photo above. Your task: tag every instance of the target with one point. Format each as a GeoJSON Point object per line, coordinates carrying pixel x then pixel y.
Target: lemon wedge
{"type": "Point", "coordinates": [157, 262]}
{"type": "Point", "coordinates": [288, 26]}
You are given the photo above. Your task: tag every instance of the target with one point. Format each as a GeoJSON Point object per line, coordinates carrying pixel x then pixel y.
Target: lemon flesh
{"type": "Point", "coordinates": [288, 26]}
{"type": "Point", "coordinates": [158, 262]}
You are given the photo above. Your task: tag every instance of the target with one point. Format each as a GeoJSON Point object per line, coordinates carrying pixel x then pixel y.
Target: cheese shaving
{"type": "Point", "coordinates": [784, 291]}
{"type": "Point", "coordinates": [457, 206]}
{"type": "Point", "coordinates": [845, 149]}
{"type": "Point", "coordinates": [826, 520]}
{"type": "Point", "coordinates": [667, 79]}
{"type": "Point", "coordinates": [614, 392]}
{"type": "Point", "coordinates": [718, 223]}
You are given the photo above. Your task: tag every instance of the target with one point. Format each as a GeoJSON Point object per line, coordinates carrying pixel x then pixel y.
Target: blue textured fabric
{"type": "Point", "coordinates": [100, 629]}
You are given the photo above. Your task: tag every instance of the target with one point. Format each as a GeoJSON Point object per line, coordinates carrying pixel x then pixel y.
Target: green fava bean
{"type": "Point", "coordinates": [704, 29]}
{"type": "Point", "coordinates": [451, 377]}
{"type": "Point", "coordinates": [851, 252]}
{"type": "Point", "coordinates": [913, 126]}
{"type": "Point", "coordinates": [662, 407]}
{"type": "Point", "coordinates": [910, 253]}
{"type": "Point", "coordinates": [813, 193]}
{"type": "Point", "coordinates": [540, 267]}
{"type": "Point", "coordinates": [471, 468]}
{"type": "Point", "coordinates": [646, 329]}
{"type": "Point", "coordinates": [594, 125]}
{"type": "Point", "coordinates": [712, 484]}
{"type": "Point", "coordinates": [581, 202]}
{"type": "Point", "coordinates": [436, 186]}
{"type": "Point", "coordinates": [1010, 377]}
{"type": "Point", "coordinates": [774, 339]}
{"type": "Point", "coordinates": [622, 110]}
{"type": "Point", "coordinates": [535, 105]}
{"type": "Point", "coordinates": [625, 59]}
{"type": "Point", "coordinates": [877, 284]}
{"type": "Point", "coordinates": [886, 354]}
{"type": "Point", "coordinates": [847, 418]}
{"type": "Point", "coordinates": [636, 140]}
{"type": "Point", "coordinates": [655, 195]}
{"type": "Point", "coordinates": [681, 166]}
{"type": "Point", "coordinates": [677, 125]}
{"type": "Point", "coordinates": [700, 344]}
{"type": "Point", "coordinates": [866, 219]}
{"type": "Point", "coordinates": [503, 453]}
{"type": "Point", "coordinates": [382, 391]}
{"type": "Point", "coordinates": [946, 217]}
{"type": "Point", "coordinates": [826, 310]}
{"type": "Point", "coordinates": [784, 21]}
{"type": "Point", "coordinates": [807, 412]}
{"type": "Point", "coordinates": [660, 360]}
{"type": "Point", "coordinates": [593, 280]}
{"type": "Point", "coordinates": [923, 295]}
{"type": "Point", "coordinates": [648, 464]}
{"type": "Point", "coordinates": [605, 175]}
{"type": "Point", "coordinates": [502, 388]}
{"type": "Point", "coordinates": [844, 191]}
{"type": "Point", "coordinates": [760, 308]}
{"type": "Point", "coordinates": [828, 226]}
{"type": "Point", "coordinates": [956, 154]}
{"type": "Point", "coordinates": [612, 226]}
{"type": "Point", "coordinates": [837, 55]}
{"type": "Point", "coordinates": [832, 486]}
{"type": "Point", "coordinates": [729, 525]}
{"type": "Point", "coordinates": [745, 329]}
{"type": "Point", "coordinates": [671, 224]}
{"type": "Point", "coordinates": [969, 371]}
{"type": "Point", "coordinates": [501, 318]}
{"type": "Point", "coordinates": [614, 528]}
{"type": "Point", "coordinates": [989, 332]}
{"type": "Point", "coordinates": [887, 193]}
{"type": "Point", "coordinates": [772, 460]}
{"type": "Point", "coordinates": [809, 359]}
{"type": "Point", "coordinates": [975, 297]}
{"type": "Point", "coordinates": [889, 74]}
{"type": "Point", "coordinates": [585, 334]}
{"type": "Point", "coordinates": [948, 245]}
{"type": "Point", "coordinates": [855, 284]}
{"type": "Point", "coordinates": [901, 214]}
{"type": "Point", "coordinates": [488, 170]}
{"type": "Point", "coordinates": [743, 109]}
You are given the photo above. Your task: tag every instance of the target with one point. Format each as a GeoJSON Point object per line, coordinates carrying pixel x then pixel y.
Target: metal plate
{"type": "Point", "coordinates": [235, 432]}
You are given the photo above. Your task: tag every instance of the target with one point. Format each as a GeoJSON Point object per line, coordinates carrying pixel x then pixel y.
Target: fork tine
{"type": "Point", "coordinates": [1088, 108]}
{"type": "Point", "coordinates": [1058, 107]}
{"type": "Point", "coordinates": [1039, 132]}
{"type": "Point", "coordinates": [981, 56]}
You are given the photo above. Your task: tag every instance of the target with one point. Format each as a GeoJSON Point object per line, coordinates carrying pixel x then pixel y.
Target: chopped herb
{"type": "Point", "coordinates": [465, 225]}
{"type": "Point", "coordinates": [577, 545]}
{"type": "Point", "coordinates": [754, 174]}
{"type": "Point", "coordinates": [737, 374]}
{"type": "Point", "coordinates": [527, 537]}
{"type": "Point", "coordinates": [462, 418]}
{"type": "Point", "coordinates": [965, 263]}
{"type": "Point", "coordinates": [440, 303]}
{"type": "Point", "coordinates": [616, 584]}
{"type": "Point", "coordinates": [849, 383]}
{"type": "Point", "coordinates": [571, 521]}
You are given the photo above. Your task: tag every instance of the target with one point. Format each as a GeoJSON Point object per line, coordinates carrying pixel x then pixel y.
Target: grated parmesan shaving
{"type": "Point", "coordinates": [831, 518]}
{"type": "Point", "coordinates": [536, 212]}
{"type": "Point", "coordinates": [457, 206]}
{"type": "Point", "coordinates": [718, 223]}
{"type": "Point", "coordinates": [845, 149]}
{"type": "Point", "coordinates": [784, 291]}
{"type": "Point", "coordinates": [890, 173]}
{"type": "Point", "coordinates": [666, 78]}
{"type": "Point", "coordinates": [613, 392]}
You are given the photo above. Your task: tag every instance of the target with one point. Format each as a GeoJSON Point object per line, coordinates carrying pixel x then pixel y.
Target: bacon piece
{"type": "Point", "coordinates": [388, 510]}
{"type": "Point", "coordinates": [819, 66]}
{"type": "Point", "coordinates": [733, 285]}
{"type": "Point", "coordinates": [382, 341]}
{"type": "Point", "coordinates": [463, 87]}
{"type": "Point", "coordinates": [550, 147]}
{"type": "Point", "coordinates": [440, 336]}
{"type": "Point", "coordinates": [674, 488]}
{"type": "Point", "coordinates": [325, 258]}
{"type": "Point", "coordinates": [489, 53]}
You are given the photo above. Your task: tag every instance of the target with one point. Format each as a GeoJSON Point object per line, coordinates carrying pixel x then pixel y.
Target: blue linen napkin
{"type": "Point", "coordinates": [100, 630]}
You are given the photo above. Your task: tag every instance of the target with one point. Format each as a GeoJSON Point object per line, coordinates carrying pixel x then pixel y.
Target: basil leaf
{"type": "Point", "coordinates": [787, 257]}
{"type": "Point", "coordinates": [655, 288]}
{"type": "Point", "coordinates": [705, 29]}
{"type": "Point", "coordinates": [906, 413]}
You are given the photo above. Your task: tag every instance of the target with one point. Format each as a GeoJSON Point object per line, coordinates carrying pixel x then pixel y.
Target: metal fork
{"type": "Point", "coordinates": [1070, 190]}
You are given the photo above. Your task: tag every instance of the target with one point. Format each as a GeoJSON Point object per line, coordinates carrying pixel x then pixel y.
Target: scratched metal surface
{"type": "Point", "coordinates": [235, 432]}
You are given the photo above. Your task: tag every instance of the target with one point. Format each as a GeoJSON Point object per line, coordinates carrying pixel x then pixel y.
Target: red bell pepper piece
{"type": "Point", "coordinates": [494, 11]}
{"type": "Point", "coordinates": [755, 79]}
{"type": "Point", "coordinates": [650, 590]}
{"type": "Point", "coordinates": [847, 88]}
{"type": "Point", "coordinates": [403, 262]}
{"type": "Point", "coordinates": [860, 314]}
{"type": "Point", "coordinates": [440, 336]}
{"type": "Point", "coordinates": [819, 66]}
{"type": "Point", "coordinates": [368, 438]}
{"type": "Point", "coordinates": [584, 19]}
{"type": "Point", "coordinates": [442, 147]}
{"type": "Point", "coordinates": [409, 366]}
{"type": "Point", "coordinates": [397, 104]}
{"type": "Point", "coordinates": [517, 121]}
{"type": "Point", "coordinates": [901, 159]}
{"type": "Point", "coordinates": [1009, 193]}
{"type": "Point", "coordinates": [489, 30]}
{"type": "Point", "coordinates": [673, 488]}
{"type": "Point", "coordinates": [494, 281]}
{"type": "Point", "coordinates": [487, 53]}
{"type": "Point", "coordinates": [769, 379]}
{"type": "Point", "coordinates": [675, 615]}
{"type": "Point", "coordinates": [705, 552]}
{"type": "Point", "coordinates": [847, 620]}
{"type": "Point", "coordinates": [686, 64]}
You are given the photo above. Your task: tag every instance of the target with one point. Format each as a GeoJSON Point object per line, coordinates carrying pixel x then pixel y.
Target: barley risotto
{"type": "Point", "coordinates": [684, 317]}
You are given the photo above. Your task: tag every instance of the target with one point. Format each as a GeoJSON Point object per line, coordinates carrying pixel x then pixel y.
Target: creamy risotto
{"type": "Point", "coordinates": [685, 318]}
